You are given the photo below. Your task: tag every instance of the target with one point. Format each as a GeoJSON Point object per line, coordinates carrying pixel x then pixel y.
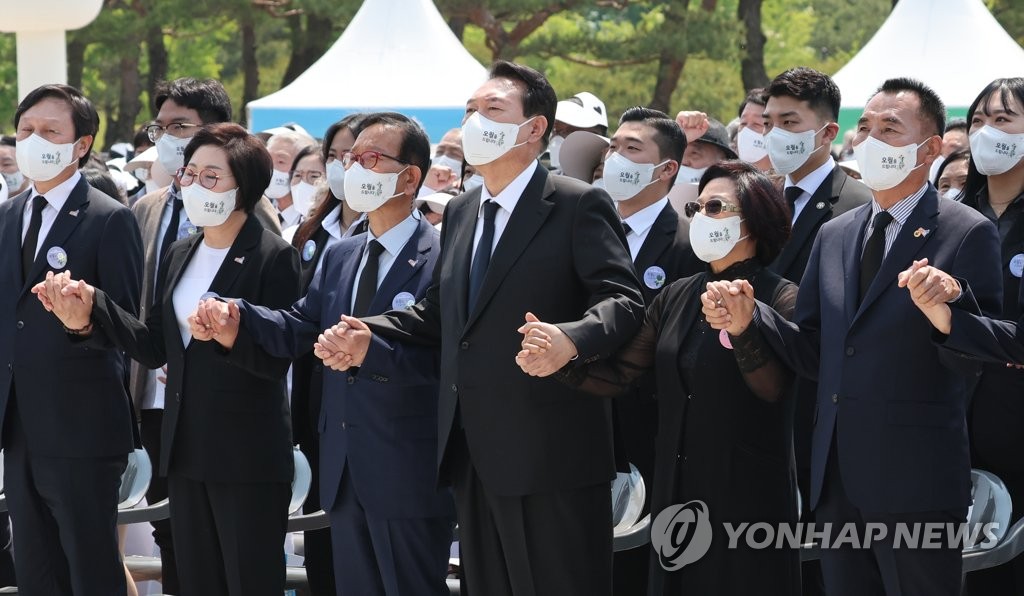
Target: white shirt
{"type": "Point", "coordinates": [195, 281]}
{"type": "Point", "coordinates": [506, 200]}
{"type": "Point", "coordinates": [55, 200]}
{"type": "Point", "coordinates": [640, 223]}
{"type": "Point", "coordinates": [331, 223]}
{"type": "Point", "coordinates": [809, 184]}
{"type": "Point", "coordinates": [290, 216]}
{"type": "Point", "coordinates": [393, 241]}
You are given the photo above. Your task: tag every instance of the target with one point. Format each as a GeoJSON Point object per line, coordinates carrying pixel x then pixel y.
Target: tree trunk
{"type": "Point", "coordinates": [76, 60]}
{"type": "Point", "coordinates": [458, 25]}
{"type": "Point", "coordinates": [250, 68]}
{"type": "Point", "coordinates": [157, 53]}
{"type": "Point", "coordinates": [670, 68]}
{"type": "Point", "coordinates": [752, 65]}
{"type": "Point", "coordinates": [121, 124]}
{"type": "Point", "coordinates": [298, 39]}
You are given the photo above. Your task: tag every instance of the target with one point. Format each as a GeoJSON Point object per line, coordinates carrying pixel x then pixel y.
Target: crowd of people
{"type": "Point", "coordinates": [780, 316]}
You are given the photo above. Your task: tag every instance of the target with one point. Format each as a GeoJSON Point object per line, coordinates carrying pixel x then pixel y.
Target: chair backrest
{"type": "Point", "coordinates": [990, 504]}
{"type": "Point", "coordinates": [628, 496]}
{"type": "Point", "coordinates": [301, 481]}
{"type": "Point", "coordinates": [135, 479]}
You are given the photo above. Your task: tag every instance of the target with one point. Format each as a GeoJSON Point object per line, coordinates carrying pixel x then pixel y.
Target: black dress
{"type": "Point", "coordinates": [724, 431]}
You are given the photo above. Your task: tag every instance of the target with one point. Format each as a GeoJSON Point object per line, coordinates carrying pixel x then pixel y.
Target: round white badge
{"type": "Point", "coordinates": [403, 300]}
{"type": "Point", "coordinates": [308, 250]}
{"type": "Point", "coordinates": [57, 257]}
{"type": "Point", "coordinates": [1017, 265]}
{"type": "Point", "coordinates": [654, 277]}
{"type": "Point", "coordinates": [186, 229]}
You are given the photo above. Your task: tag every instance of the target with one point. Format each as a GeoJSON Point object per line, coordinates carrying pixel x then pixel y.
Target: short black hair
{"type": "Point", "coordinates": [754, 96]}
{"type": "Point", "coordinates": [539, 98]}
{"type": "Point", "coordinates": [806, 84]}
{"type": "Point", "coordinates": [304, 153]}
{"type": "Point", "coordinates": [248, 158]}
{"type": "Point", "coordinates": [141, 138]}
{"type": "Point", "coordinates": [958, 155]}
{"type": "Point", "coordinates": [207, 97]}
{"type": "Point", "coordinates": [667, 135]}
{"type": "Point", "coordinates": [83, 113]}
{"type": "Point", "coordinates": [103, 182]}
{"type": "Point", "coordinates": [8, 141]}
{"type": "Point", "coordinates": [415, 147]}
{"type": "Point", "coordinates": [353, 123]}
{"type": "Point", "coordinates": [932, 110]}
{"type": "Point", "coordinates": [956, 124]}
{"type": "Point", "coordinates": [764, 210]}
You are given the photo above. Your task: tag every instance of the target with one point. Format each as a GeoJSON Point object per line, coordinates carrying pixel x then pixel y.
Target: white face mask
{"type": "Point", "coordinates": [366, 190]}
{"type": "Point", "coordinates": [303, 196]}
{"type": "Point", "coordinates": [689, 175]}
{"type": "Point", "coordinates": [554, 150]}
{"type": "Point", "coordinates": [40, 160]}
{"type": "Point", "coordinates": [170, 152]}
{"type": "Point", "coordinates": [484, 140]}
{"type": "Point", "coordinates": [449, 162]}
{"type": "Point", "coordinates": [883, 166]}
{"type": "Point", "coordinates": [599, 183]}
{"type": "Point", "coordinates": [996, 152]}
{"type": "Point", "coordinates": [713, 239]}
{"type": "Point", "coordinates": [623, 179]}
{"type": "Point", "coordinates": [952, 193]}
{"type": "Point", "coordinates": [750, 145]}
{"type": "Point", "coordinates": [14, 180]}
{"type": "Point", "coordinates": [336, 179]}
{"type": "Point", "coordinates": [280, 184]}
{"type": "Point", "coordinates": [206, 208]}
{"type": "Point", "coordinates": [142, 174]}
{"type": "Point", "coordinates": [474, 181]}
{"type": "Point", "coordinates": [790, 150]}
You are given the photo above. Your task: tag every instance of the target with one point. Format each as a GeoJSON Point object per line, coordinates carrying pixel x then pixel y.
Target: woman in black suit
{"type": "Point", "coordinates": [724, 405]}
{"type": "Point", "coordinates": [226, 438]}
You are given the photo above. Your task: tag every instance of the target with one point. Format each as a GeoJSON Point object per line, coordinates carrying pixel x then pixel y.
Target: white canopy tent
{"type": "Point", "coordinates": [954, 46]}
{"type": "Point", "coordinates": [395, 55]}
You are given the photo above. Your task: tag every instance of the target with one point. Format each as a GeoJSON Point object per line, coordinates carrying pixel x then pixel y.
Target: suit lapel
{"type": "Point", "coordinates": [71, 214]}
{"type": "Point", "coordinates": [174, 271]}
{"type": "Point", "coordinates": [853, 239]}
{"type": "Point", "coordinates": [808, 222]}
{"type": "Point", "coordinates": [527, 217]}
{"type": "Point", "coordinates": [661, 236]}
{"type": "Point", "coordinates": [406, 264]}
{"type": "Point", "coordinates": [12, 245]}
{"type": "Point", "coordinates": [245, 244]}
{"type": "Point", "coordinates": [460, 227]}
{"type": "Point", "coordinates": [919, 228]}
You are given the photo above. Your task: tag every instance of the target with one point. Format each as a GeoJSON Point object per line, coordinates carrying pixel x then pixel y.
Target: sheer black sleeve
{"type": "Point", "coordinates": [762, 370]}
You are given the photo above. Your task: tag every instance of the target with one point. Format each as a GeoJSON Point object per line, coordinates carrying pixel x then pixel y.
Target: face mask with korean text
{"type": "Point", "coordinates": [883, 166]}
{"type": "Point", "coordinates": [40, 160]}
{"type": "Point", "coordinates": [280, 184]}
{"type": "Point", "coordinates": [995, 152]}
{"type": "Point", "coordinates": [789, 150]}
{"type": "Point", "coordinates": [484, 140]}
{"type": "Point", "coordinates": [623, 178]}
{"type": "Point", "coordinates": [206, 208]}
{"type": "Point", "coordinates": [366, 190]}
{"type": "Point", "coordinates": [750, 145]}
{"type": "Point", "coordinates": [712, 239]}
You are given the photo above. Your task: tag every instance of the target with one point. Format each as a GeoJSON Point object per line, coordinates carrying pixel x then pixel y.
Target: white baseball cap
{"type": "Point", "coordinates": [582, 110]}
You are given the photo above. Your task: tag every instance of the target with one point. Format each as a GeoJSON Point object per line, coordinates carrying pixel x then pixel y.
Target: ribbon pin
{"type": "Point", "coordinates": [73, 213]}
{"type": "Point", "coordinates": [921, 232]}
{"type": "Point", "coordinates": [412, 262]}
{"type": "Point", "coordinates": [239, 260]}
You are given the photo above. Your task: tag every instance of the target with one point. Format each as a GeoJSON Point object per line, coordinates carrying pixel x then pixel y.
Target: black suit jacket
{"type": "Point", "coordinates": [667, 247]}
{"type": "Point", "coordinates": [562, 257]}
{"type": "Point", "coordinates": [71, 398]}
{"type": "Point", "coordinates": [220, 422]}
{"type": "Point", "coordinates": [837, 194]}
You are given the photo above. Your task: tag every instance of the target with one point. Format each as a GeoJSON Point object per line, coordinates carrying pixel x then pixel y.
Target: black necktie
{"type": "Point", "coordinates": [171, 234]}
{"type": "Point", "coordinates": [874, 250]}
{"type": "Point", "coordinates": [625, 228]}
{"type": "Point", "coordinates": [482, 257]}
{"type": "Point", "coordinates": [28, 249]}
{"type": "Point", "coordinates": [367, 287]}
{"type": "Point", "coordinates": [792, 194]}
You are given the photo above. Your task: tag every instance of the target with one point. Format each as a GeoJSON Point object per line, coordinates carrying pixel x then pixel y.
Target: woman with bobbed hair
{"type": "Point", "coordinates": [226, 442]}
{"type": "Point", "coordinates": [725, 410]}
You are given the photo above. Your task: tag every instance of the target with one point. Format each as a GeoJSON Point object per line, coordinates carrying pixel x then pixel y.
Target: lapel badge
{"type": "Point", "coordinates": [412, 262]}
{"type": "Point", "coordinates": [73, 213]}
{"type": "Point", "coordinates": [240, 260]}
{"type": "Point", "coordinates": [820, 205]}
{"type": "Point", "coordinates": [921, 233]}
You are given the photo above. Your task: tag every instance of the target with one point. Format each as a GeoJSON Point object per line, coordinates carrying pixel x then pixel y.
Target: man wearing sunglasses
{"type": "Point", "coordinates": [183, 107]}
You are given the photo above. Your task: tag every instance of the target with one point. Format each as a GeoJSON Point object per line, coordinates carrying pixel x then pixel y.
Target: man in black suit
{"type": "Point", "coordinates": [889, 443]}
{"type": "Point", "coordinates": [529, 459]}
{"type": "Point", "coordinates": [659, 244]}
{"type": "Point", "coordinates": [66, 429]}
{"type": "Point", "coordinates": [802, 106]}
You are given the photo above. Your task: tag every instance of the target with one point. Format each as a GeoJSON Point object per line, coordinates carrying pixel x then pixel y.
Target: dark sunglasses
{"type": "Point", "coordinates": [710, 207]}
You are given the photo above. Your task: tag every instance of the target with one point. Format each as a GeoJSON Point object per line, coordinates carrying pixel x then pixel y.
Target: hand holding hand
{"type": "Point", "coordinates": [344, 345]}
{"type": "Point", "coordinates": [70, 300]}
{"type": "Point", "coordinates": [931, 289]}
{"type": "Point", "coordinates": [546, 349]}
{"type": "Point", "coordinates": [729, 305]}
{"type": "Point", "coordinates": [217, 320]}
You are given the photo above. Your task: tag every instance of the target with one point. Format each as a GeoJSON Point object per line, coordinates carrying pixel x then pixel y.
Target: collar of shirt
{"type": "Point", "coordinates": [173, 194]}
{"type": "Point", "coordinates": [330, 222]}
{"type": "Point", "coordinates": [901, 210]}
{"type": "Point", "coordinates": [642, 220]}
{"type": "Point", "coordinates": [58, 195]}
{"type": "Point", "coordinates": [395, 239]}
{"type": "Point", "coordinates": [810, 183]}
{"type": "Point", "coordinates": [508, 198]}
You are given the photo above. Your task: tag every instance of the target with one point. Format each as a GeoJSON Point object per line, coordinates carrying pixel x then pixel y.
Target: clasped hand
{"type": "Point", "coordinates": [545, 348]}
{"type": "Point", "coordinates": [343, 345]}
{"type": "Point", "coordinates": [728, 305]}
{"type": "Point", "coordinates": [931, 289]}
{"type": "Point", "coordinates": [215, 320]}
{"type": "Point", "coordinates": [70, 300]}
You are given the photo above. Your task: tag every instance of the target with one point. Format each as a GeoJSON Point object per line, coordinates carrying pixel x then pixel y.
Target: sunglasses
{"type": "Point", "coordinates": [710, 207]}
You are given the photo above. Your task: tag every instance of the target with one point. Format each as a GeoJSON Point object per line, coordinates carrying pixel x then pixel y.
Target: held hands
{"type": "Point", "coordinates": [216, 320]}
{"type": "Point", "coordinates": [931, 289]}
{"type": "Point", "coordinates": [344, 345]}
{"type": "Point", "coordinates": [729, 305]}
{"type": "Point", "coordinates": [70, 300]}
{"type": "Point", "coordinates": [546, 349]}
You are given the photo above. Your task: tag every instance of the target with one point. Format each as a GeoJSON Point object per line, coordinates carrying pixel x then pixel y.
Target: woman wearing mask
{"type": "Point", "coordinates": [995, 185]}
{"type": "Point", "coordinates": [724, 413]}
{"type": "Point", "coordinates": [951, 177]}
{"type": "Point", "coordinates": [226, 443]}
{"type": "Point", "coordinates": [307, 175]}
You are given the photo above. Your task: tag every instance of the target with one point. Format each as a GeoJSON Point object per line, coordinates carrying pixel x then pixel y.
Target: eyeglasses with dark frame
{"type": "Point", "coordinates": [207, 178]}
{"type": "Point", "coordinates": [710, 207]}
{"type": "Point", "coordinates": [308, 176]}
{"type": "Point", "coordinates": [367, 159]}
{"type": "Point", "coordinates": [179, 130]}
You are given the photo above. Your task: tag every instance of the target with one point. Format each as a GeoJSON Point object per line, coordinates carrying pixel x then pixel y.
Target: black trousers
{"type": "Point", "coordinates": [152, 420]}
{"type": "Point", "coordinates": [64, 513]}
{"type": "Point", "coordinates": [884, 570]}
{"type": "Point", "coordinates": [229, 536]}
{"type": "Point", "coordinates": [556, 543]}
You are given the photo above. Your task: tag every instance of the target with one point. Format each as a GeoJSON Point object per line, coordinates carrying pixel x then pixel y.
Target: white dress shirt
{"type": "Point", "coordinates": [506, 200]}
{"type": "Point", "coordinates": [195, 281]}
{"type": "Point", "coordinates": [640, 224]}
{"type": "Point", "coordinates": [899, 212]}
{"type": "Point", "coordinates": [55, 199]}
{"type": "Point", "coordinates": [393, 241]}
{"type": "Point", "coordinates": [331, 223]}
{"type": "Point", "coordinates": [809, 184]}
